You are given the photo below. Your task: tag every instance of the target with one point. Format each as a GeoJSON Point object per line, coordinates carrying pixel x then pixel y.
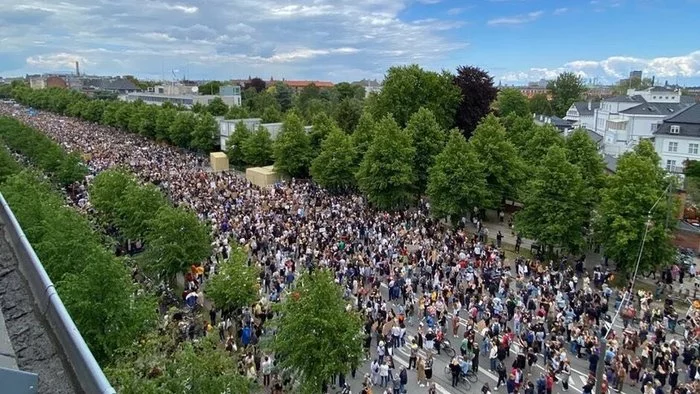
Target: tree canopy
{"type": "Point", "coordinates": [511, 101]}
{"type": "Point", "coordinates": [565, 90]}
{"type": "Point", "coordinates": [315, 336]}
{"type": "Point", "coordinates": [386, 174]}
{"type": "Point", "coordinates": [428, 140]}
{"type": "Point", "coordinates": [236, 283]}
{"type": "Point", "coordinates": [476, 95]}
{"type": "Point", "coordinates": [503, 165]}
{"type": "Point", "coordinates": [457, 181]}
{"type": "Point", "coordinates": [292, 148]}
{"type": "Point", "coordinates": [627, 211]}
{"type": "Point", "coordinates": [334, 167]}
{"type": "Point", "coordinates": [408, 88]}
{"type": "Point", "coordinates": [552, 213]}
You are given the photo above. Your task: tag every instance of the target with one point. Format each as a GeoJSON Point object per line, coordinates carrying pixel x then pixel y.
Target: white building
{"type": "Point", "coordinates": [563, 126]}
{"type": "Point", "coordinates": [581, 113]}
{"type": "Point", "coordinates": [624, 120]}
{"type": "Point", "coordinates": [677, 139]}
{"type": "Point", "coordinates": [228, 127]}
{"type": "Point", "coordinates": [184, 95]}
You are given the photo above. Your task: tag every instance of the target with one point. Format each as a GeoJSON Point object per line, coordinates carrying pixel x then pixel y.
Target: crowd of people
{"type": "Point", "coordinates": [440, 280]}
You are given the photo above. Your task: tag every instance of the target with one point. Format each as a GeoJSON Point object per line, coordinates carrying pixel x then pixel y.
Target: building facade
{"type": "Point", "coordinates": [184, 95]}
{"type": "Point", "coordinates": [677, 139]}
{"type": "Point", "coordinates": [228, 127]}
{"type": "Point", "coordinates": [624, 120]}
{"type": "Point", "coordinates": [582, 113]}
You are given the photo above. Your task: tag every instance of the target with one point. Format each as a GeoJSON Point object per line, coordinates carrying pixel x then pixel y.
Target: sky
{"type": "Point", "coordinates": [516, 41]}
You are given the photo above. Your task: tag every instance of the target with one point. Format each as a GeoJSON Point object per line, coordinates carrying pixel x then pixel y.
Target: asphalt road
{"type": "Point", "coordinates": [579, 367]}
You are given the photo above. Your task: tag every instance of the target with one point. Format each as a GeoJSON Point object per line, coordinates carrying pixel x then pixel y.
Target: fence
{"type": "Point", "coordinates": [87, 371]}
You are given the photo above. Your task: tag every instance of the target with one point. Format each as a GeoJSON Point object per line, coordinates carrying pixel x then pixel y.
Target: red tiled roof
{"type": "Point", "coordinates": [301, 84]}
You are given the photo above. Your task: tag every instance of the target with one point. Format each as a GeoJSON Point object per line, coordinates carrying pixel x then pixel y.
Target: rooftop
{"type": "Point", "coordinates": [687, 122]}
{"type": "Point", "coordinates": [662, 109]}
{"type": "Point", "coordinates": [582, 107]}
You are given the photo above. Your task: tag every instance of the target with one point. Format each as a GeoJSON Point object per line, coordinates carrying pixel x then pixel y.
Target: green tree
{"type": "Point", "coordinates": [210, 88]}
{"type": "Point", "coordinates": [217, 107]}
{"type": "Point", "coordinates": [429, 140]}
{"type": "Point", "coordinates": [363, 136]}
{"type": "Point", "coordinates": [198, 108]}
{"type": "Point", "coordinates": [345, 90]}
{"type": "Point", "coordinates": [627, 210]}
{"type": "Point", "coordinates": [334, 167]}
{"type": "Point", "coordinates": [8, 164]}
{"type": "Point", "coordinates": [582, 152]}
{"type": "Point", "coordinates": [511, 101]}
{"type": "Point", "coordinates": [283, 95]}
{"type": "Point", "coordinates": [504, 168]}
{"type": "Point", "coordinates": [541, 139]}
{"type": "Point", "coordinates": [237, 112]}
{"type": "Point", "coordinates": [135, 209]}
{"type": "Point", "coordinates": [347, 114]}
{"type": "Point", "coordinates": [519, 130]}
{"type": "Point", "coordinates": [257, 148]}
{"type": "Point", "coordinates": [322, 126]}
{"type": "Point", "coordinates": [176, 239]}
{"type": "Point", "coordinates": [386, 173]}
{"type": "Point", "coordinates": [149, 114]}
{"type": "Point", "coordinates": [108, 189]}
{"type": "Point", "coordinates": [540, 104]}
{"type": "Point", "coordinates": [180, 131]}
{"type": "Point", "coordinates": [552, 213]}
{"type": "Point", "coordinates": [235, 284]}
{"type": "Point", "coordinates": [164, 119]}
{"type": "Point", "coordinates": [205, 132]}
{"type": "Point", "coordinates": [565, 90]}
{"type": "Point", "coordinates": [271, 115]}
{"type": "Point", "coordinates": [408, 88]}
{"type": "Point", "coordinates": [292, 148]}
{"type": "Point", "coordinates": [234, 145]}
{"type": "Point", "coordinates": [71, 169]}
{"type": "Point", "coordinates": [316, 337]}
{"type": "Point", "coordinates": [158, 364]}
{"type": "Point", "coordinates": [102, 301]}
{"type": "Point", "coordinates": [457, 180]}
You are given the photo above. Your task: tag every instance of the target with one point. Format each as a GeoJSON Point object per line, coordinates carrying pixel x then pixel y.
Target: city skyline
{"type": "Point", "coordinates": [517, 41]}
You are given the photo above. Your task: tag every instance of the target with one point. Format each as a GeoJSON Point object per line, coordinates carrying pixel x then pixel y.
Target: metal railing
{"type": "Point", "coordinates": [88, 373]}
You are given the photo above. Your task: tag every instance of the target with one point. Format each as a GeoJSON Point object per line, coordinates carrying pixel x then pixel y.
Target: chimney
{"type": "Point", "coordinates": [590, 104]}
{"type": "Point", "coordinates": [77, 69]}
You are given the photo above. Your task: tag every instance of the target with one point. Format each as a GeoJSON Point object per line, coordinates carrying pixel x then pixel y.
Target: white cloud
{"type": "Point", "coordinates": [177, 7]}
{"type": "Point", "coordinates": [517, 19]}
{"type": "Point", "coordinates": [560, 11]}
{"type": "Point", "coordinates": [225, 39]}
{"type": "Point", "coordinates": [56, 61]}
{"type": "Point", "coordinates": [613, 68]}
{"type": "Point", "coordinates": [456, 11]}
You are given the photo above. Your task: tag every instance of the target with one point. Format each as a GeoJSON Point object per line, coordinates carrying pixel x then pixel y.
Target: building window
{"type": "Point", "coordinates": [673, 146]}
{"type": "Point", "coordinates": [693, 149]}
{"type": "Point", "coordinates": [675, 129]}
{"type": "Point", "coordinates": [654, 97]}
{"type": "Point", "coordinates": [670, 165]}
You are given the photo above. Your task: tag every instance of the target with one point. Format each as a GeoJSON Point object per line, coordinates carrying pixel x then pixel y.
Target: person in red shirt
{"type": "Point", "coordinates": [550, 383]}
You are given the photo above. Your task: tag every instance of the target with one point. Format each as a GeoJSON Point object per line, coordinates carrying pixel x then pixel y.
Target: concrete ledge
{"type": "Point", "coordinates": [7, 353]}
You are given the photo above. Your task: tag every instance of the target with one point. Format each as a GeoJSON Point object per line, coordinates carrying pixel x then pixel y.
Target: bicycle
{"type": "Point", "coordinates": [446, 346]}
{"type": "Point", "coordinates": [466, 379]}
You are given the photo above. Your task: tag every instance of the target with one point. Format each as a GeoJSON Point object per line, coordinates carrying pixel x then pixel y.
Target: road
{"type": "Point", "coordinates": [579, 367]}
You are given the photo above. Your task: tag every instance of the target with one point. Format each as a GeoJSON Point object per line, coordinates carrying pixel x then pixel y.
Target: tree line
{"type": "Point", "coordinates": [117, 316]}
{"type": "Point", "coordinates": [406, 145]}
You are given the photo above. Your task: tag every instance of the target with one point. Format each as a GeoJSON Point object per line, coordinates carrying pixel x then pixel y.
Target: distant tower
{"type": "Point", "coordinates": [77, 69]}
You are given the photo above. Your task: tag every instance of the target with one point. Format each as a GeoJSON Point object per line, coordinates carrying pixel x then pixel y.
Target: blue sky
{"type": "Point", "coordinates": [515, 40]}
